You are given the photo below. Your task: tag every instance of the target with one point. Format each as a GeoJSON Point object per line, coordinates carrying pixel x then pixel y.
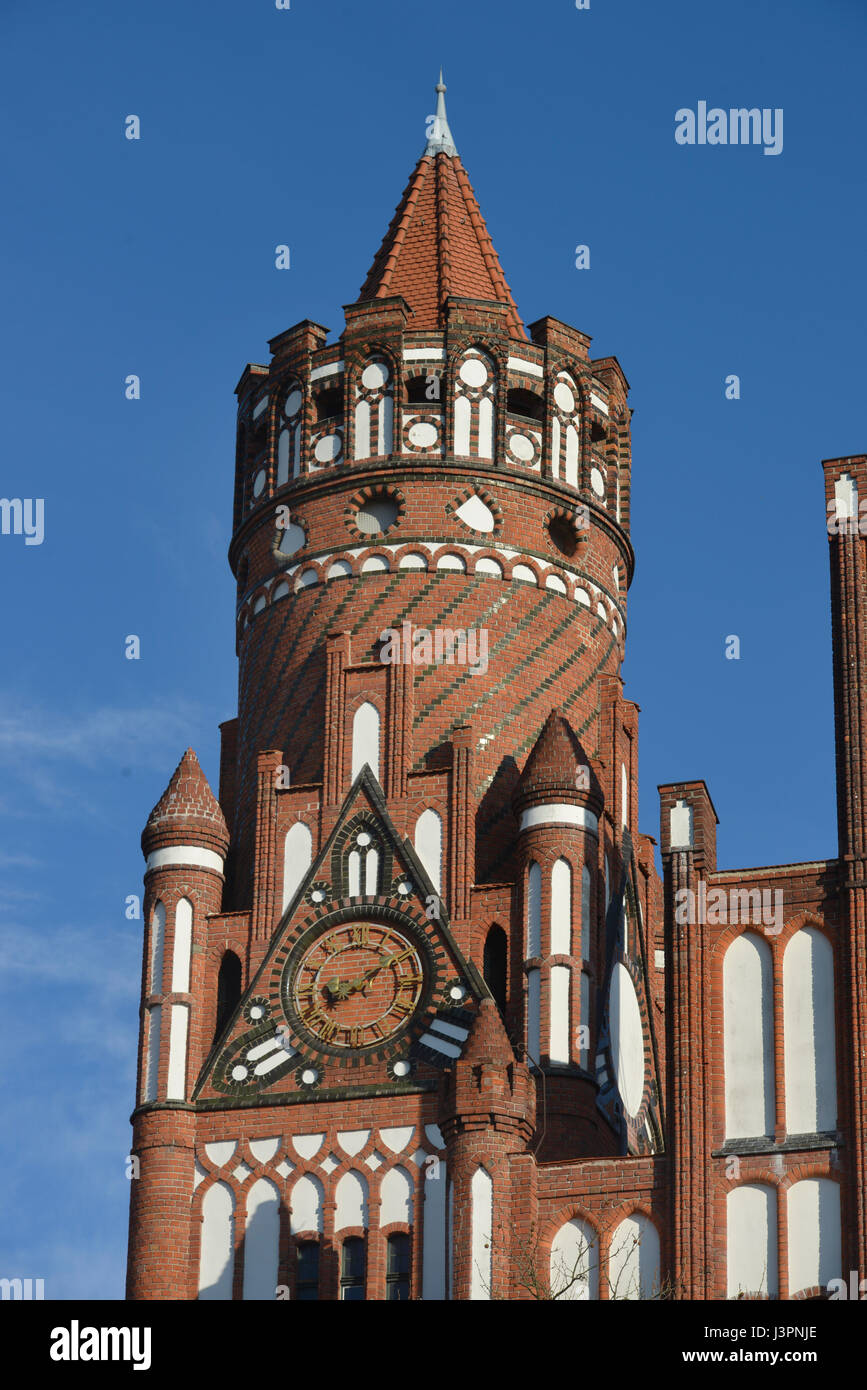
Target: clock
{"type": "Point", "coordinates": [356, 985]}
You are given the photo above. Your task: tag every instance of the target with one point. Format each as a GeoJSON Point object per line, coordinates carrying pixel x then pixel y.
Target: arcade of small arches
{"type": "Point", "coordinates": [583, 452]}
{"type": "Point", "coordinates": [507, 565]}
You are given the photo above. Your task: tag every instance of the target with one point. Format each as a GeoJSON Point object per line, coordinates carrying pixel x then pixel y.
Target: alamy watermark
{"type": "Point", "coordinates": [23, 516]}
{"type": "Point", "coordinates": [737, 126]}
{"type": "Point", "coordinates": [739, 906]}
{"type": "Point", "coordinates": [420, 646]}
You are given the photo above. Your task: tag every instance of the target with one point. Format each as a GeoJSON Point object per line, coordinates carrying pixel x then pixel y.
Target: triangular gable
{"type": "Point", "coordinates": [359, 952]}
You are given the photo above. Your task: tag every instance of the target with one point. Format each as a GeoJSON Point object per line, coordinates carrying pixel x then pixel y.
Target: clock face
{"type": "Point", "coordinates": [357, 985]}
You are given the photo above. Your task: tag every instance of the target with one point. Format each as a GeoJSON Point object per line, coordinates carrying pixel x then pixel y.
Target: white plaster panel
{"type": "Point", "coordinates": [297, 858]}
{"type": "Point", "coordinates": [561, 908]}
{"type": "Point", "coordinates": [395, 1195]}
{"type": "Point", "coordinates": [158, 939]}
{"type": "Point", "coordinates": [397, 1139]}
{"type": "Point", "coordinates": [220, 1151]}
{"type": "Point", "coordinates": [433, 1278]}
{"type": "Point", "coordinates": [534, 1012]}
{"type": "Point", "coordinates": [217, 1253]}
{"type": "Point", "coordinates": [559, 813]}
{"type": "Point", "coordinates": [428, 845]}
{"type": "Point", "coordinates": [351, 1201]}
{"type": "Point", "coordinates": [365, 739]}
{"type": "Point", "coordinates": [627, 1039]}
{"type": "Point", "coordinates": [187, 855]}
{"type": "Point", "coordinates": [751, 1240]}
{"type": "Point", "coordinates": [152, 1058]}
{"type": "Point", "coordinates": [183, 945]}
{"type": "Point", "coordinates": [330, 369]}
{"type": "Point", "coordinates": [481, 1251]}
{"type": "Point", "coordinates": [261, 1241]}
{"type": "Point", "coordinates": [352, 1141]}
{"type": "Point", "coordinates": [808, 1031]}
{"type": "Point", "coordinates": [305, 1204]}
{"type": "Point", "coordinates": [307, 1145]}
{"type": "Point", "coordinates": [534, 910]}
{"type": "Point", "coordinates": [633, 1259]}
{"type": "Point", "coordinates": [558, 1047]}
{"type": "Point", "coordinates": [263, 1150]}
{"type": "Point", "coordinates": [574, 1263]}
{"type": "Point", "coordinates": [813, 1220]}
{"type": "Point", "coordinates": [748, 1042]}
{"type": "Point", "coordinates": [177, 1073]}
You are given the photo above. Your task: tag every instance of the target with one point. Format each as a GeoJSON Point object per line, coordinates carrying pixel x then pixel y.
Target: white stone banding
{"type": "Point", "coordinates": [559, 813]}
{"type": "Point", "coordinates": [190, 856]}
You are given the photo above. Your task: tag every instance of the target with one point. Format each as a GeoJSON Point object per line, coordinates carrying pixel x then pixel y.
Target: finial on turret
{"type": "Point", "coordinates": [440, 139]}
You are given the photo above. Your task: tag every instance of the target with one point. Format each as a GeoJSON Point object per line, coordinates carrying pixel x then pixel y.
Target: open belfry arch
{"type": "Point", "coordinates": [419, 1019]}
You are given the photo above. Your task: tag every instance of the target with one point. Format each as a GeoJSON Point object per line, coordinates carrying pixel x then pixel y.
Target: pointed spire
{"type": "Point", "coordinates": [187, 812]}
{"type": "Point", "coordinates": [437, 244]}
{"type": "Point", "coordinates": [440, 141]}
{"type": "Point", "coordinates": [553, 766]}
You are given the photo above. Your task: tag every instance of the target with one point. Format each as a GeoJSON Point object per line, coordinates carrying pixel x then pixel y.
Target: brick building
{"type": "Point", "coordinates": [419, 1018]}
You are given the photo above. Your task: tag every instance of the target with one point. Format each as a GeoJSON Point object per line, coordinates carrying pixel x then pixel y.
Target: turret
{"type": "Point", "coordinates": [558, 803]}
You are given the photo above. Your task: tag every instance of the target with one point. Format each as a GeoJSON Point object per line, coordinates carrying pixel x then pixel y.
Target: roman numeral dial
{"type": "Point", "coordinates": [357, 985]}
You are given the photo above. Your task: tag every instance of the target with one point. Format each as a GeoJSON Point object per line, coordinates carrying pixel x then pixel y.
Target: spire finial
{"type": "Point", "coordinates": [440, 139]}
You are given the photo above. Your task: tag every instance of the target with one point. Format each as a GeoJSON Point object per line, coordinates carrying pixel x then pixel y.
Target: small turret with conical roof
{"type": "Point", "coordinates": [187, 813]}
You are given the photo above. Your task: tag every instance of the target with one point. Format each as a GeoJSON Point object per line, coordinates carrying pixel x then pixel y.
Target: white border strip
{"type": "Point", "coordinates": [560, 813]}
{"type": "Point", "coordinates": [190, 855]}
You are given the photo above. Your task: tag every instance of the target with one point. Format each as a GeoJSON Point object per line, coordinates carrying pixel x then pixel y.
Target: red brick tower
{"type": "Point", "coordinates": [423, 965]}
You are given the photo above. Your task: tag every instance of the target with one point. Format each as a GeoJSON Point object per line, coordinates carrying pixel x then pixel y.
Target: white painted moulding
{"type": "Point", "coordinates": [190, 856]}
{"type": "Point", "coordinates": [330, 369]}
{"type": "Point", "coordinates": [557, 813]}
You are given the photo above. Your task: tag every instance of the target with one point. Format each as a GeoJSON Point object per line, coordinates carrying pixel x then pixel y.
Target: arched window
{"type": "Point", "coordinates": [534, 911]}
{"type": "Point", "coordinates": [482, 1227]}
{"type": "Point", "coordinates": [565, 430]}
{"type": "Point", "coordinates": [585, 913]}
{"type": "Point", "coordinates": [748, 1038]}
{"type": "Point", "coordinates": [350, 1201]}
{"type": "Point", "coordinates": [397, 1268]}
{"type": "Point", "coordinates": [365, 739]}
{"type": "Point", "coordinates": [289, 438]}
{"type": "Point", "coordinates": [181, 952]}
{"type": "Point", "coordinates": [374, 410]}
{"type": "Point", "coordinates": [306, 1205]}
{"type": "Point", "coordinates": [152, 1053]}
{"type": "Point", "coordinates": [494, 965]}
{"type": "Point", "coordinates": [228, 990]}
{"type": "Point", "coordinates": [813, 1221]}
{"type": "Point", "coordinates": [808, 1032]}
{"type": "Point", "coordinates": [307, 1271]}
{"type": "Point", "coordinates": [561, 908]}
{"type": "Point", "coordinates": [158, 938]}
{"type": "Point", "coordinates": [633, 1259]}
{"type": "Point", "coordinates": [217, 1251]}
{"type": "Point", "coordinates": [395, 1196]}
{"type": "Point", "coordinates": [751, 1240]}
{"type": "Point", "coordinates": [475, 390]}
{"type": "Point", "coordinates": [353, 1262]}
{"type": "Point", "coordinates": [574, 1266]}
{"type": "Point", "coordinates": [261, 1241]}
{"type": "Point", "coordinates": [297, 858]}
{"type": "Point", "coordinates": [429, 845]}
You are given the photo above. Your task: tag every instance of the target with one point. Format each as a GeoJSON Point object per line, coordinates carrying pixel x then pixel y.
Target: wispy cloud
{"type": "Point", "coordinates": [130, 735]}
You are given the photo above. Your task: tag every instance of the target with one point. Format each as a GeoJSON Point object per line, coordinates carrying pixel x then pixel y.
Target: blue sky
{"type": "Point", "coordinates": [156, 258]}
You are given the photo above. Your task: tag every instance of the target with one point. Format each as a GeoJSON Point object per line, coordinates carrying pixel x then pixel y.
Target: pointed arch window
{"type": "Point", "coordinates": [748, 1037]}
{"type": "Point", "coordinates": [494, 965]}
{"type": "Point", "coordinates": [475, 396]}
{"type": "Point", "coordinates": [228, 990]}
{"type": "Point", "coordinates": [366, 739]}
